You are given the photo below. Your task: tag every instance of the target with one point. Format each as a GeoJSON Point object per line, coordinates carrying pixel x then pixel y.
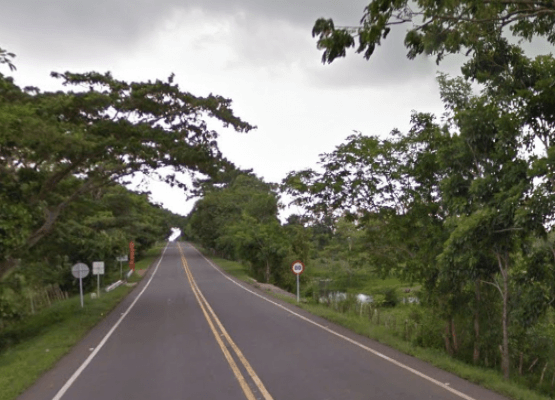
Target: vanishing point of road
{"type": "Point", "coordinates": [189, 331]}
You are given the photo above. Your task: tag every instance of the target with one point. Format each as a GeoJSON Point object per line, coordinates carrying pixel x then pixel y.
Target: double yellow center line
{"type": "Point", "coordinates": [219, 332]}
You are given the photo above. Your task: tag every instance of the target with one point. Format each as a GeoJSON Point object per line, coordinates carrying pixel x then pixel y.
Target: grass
{"type": "Point", "coordinates": [150, 256]}
{"type": "Point", "coordinates": [33, 346]}
{"type": "Point", "coordinates": [236, 269]}
{"type": "Point", "coordinates": [487, 378]}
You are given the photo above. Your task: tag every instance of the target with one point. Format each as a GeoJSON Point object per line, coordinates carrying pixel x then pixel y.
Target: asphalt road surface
{"type": "Point", "coordinates": [189, 331]}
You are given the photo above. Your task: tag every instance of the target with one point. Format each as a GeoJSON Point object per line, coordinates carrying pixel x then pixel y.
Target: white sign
{"type": "Point", "coordinates": [297, 267]}
{"type": "Point", "coordinates": [122, 258]}
{"type": "Point", "coordinates": [80, 270]}
{"type": "Point", "coordinates": [98, 268]}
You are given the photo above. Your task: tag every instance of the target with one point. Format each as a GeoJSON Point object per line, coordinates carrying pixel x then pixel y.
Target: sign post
{"type": "Point", "coordinates": [132, 256]}
{"type": "Point", "coordinates": [121, 259]}
{"type": "Point", "coordinates": [98, 269]}
{"type": "Point", "coordinates": [297, 268]}
{"type": "Point", "coordinates": [80, 271]}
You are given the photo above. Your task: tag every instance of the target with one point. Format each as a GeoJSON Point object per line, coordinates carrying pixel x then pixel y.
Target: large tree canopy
{"type": "Point", "coordinates": [57, 146]}
{"type": "Point", "coordinates": [461, 202]}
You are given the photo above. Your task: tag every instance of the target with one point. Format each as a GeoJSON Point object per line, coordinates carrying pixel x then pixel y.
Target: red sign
{"type": "Point", "coordinates": [297, 267]}
{"type": "Point", "coordinates": [132, 256]}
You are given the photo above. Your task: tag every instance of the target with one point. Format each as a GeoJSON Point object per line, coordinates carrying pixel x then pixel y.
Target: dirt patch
{"type": "Point", "coordinates": [141, 272]}
{"type": "Point", "coordinates": [267, 287]}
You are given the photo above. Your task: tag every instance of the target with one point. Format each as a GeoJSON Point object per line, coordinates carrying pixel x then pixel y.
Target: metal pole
{"type": "Point", "coordinates": [98, 285]}
{"type": "Point", "coordinates": [297, 288]}
{"type": "Point", "coordinates": [81, 290]}
{"type": "Point", "coordinates": [120, 271]}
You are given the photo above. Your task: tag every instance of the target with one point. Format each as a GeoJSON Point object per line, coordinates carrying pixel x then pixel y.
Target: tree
{"type": "Point", "coordinates": [238, 220]}
{"type": "Point", "coordinates": [5, 58]}
{"type": "Point", "coordinates": [494, 205]}
{"type": "Point", "coordinates": [225, 204]}
{"type": "Point", "coordinates": [97, 227]}
{"type": "Point", "coordinates": [262, 243]}
{"type": "Point", "coordinates": [493, 164]}
{"type": "Point", "coordinates": [390, 187]}
{"type": "Point", "coordinates": [438, 27]}
{"type": "Point", "coordinates": [105, 132]}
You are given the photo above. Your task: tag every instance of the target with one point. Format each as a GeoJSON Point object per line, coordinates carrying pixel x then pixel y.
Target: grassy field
{"type": "Point", "coordinates": [369, 327]}
{"type": "Point", "coordinates": [30, 348]}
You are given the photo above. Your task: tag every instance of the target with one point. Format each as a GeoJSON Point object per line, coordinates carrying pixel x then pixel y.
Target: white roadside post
{"type": "Point", "coordinates": [98, 269]}
{"type": "Point", "coordinates": [121, 259]}
{"type": "Point", "coordinates": [80, 271]}
{"type": "Point", "coordinates": [297, 268]}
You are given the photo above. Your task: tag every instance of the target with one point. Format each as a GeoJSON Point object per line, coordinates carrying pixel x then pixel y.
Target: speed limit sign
{"type": "Point", "coordinates": [297, 267]}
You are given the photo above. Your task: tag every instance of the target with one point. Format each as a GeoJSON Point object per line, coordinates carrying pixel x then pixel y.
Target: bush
{"type": "Point", "coordinates": [390, 297]}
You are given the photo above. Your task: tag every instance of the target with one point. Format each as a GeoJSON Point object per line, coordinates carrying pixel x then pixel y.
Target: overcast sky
{"type": "Point", "coordinates": [259, 53]}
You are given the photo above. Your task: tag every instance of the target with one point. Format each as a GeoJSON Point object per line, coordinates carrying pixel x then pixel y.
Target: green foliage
{"type": "Point", "coordinates": [38, 342]}
{"type": "Point", "coordinates": [389, 297]}
{"type": "Point", "coordinates": [6, 58]}
{"type": "Point", "coordinates": [463, 206]}
{"type": "Point", "coordinates": [238, 220]}
{"type": "Point", "coordinates": [56, 148]}
{"type": "Point", "coordinates": [438, 27]}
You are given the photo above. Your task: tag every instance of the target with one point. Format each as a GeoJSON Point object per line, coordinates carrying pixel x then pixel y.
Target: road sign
{"type": "Point", "coordinates": [98, 268]}
{"type": "Point", "coordinates": [80, 270]}
{"type": "Point", "coordinates": [132, 256]}
{"type": "Point", "coordinates": [121, 259]}
{"type": "Point", "coordinates": [297, 267]}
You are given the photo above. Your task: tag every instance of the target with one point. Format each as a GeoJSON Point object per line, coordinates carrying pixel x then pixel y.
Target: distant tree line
{"type": "Point", "coordinates": [237, 219]}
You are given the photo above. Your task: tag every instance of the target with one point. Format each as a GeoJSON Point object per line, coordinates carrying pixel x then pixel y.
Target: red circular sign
{"type": "Point", "coordinates": [297, 267]}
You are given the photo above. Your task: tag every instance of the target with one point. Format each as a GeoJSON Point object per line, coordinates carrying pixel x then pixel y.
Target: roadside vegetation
{"type": "Point", "coordinates": [403, 327]}
{"type": "Point", "coordinates": [66, 161]}
{"type": "Point", "coordinates": [32, 345]}
{"type": "Point", "coordinates": [457, 212]}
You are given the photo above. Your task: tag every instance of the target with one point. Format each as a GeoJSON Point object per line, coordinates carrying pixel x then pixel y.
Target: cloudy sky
{"type": "Point", "coordinates": [259, 53]}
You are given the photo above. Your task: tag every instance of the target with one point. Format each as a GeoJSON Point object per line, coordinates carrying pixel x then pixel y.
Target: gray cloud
{"type": "Point", "coordinates": [123, 22]}
{"type": "Point", "coordinates": [387, 66]}
{"type": "Point", "coordinates": [60, 29]}
{"type": "Point", "coordinates": [269, 34]}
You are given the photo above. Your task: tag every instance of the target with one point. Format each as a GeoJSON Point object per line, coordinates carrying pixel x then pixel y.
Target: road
{"type": "Point", "coordinates": [189, 331]}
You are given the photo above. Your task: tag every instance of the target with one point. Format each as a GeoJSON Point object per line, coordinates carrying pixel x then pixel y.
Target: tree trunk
{"type": "Point", "coordinates": [52, 214]}
{"type": "Point", "coordinates": [447, 336]}
{"type": "Point", "coordinates": [6, 266]}
{"type": "Point", "coordinates": [476, 354]}
{"type": "Point", "coordinates": [504, 268]}
{"type": "Point", "coordinates": [50, 219]}
{"type": "Point", "coordinates": [454, 336]}
{"type": "Point", "coordinates": [505, 360]}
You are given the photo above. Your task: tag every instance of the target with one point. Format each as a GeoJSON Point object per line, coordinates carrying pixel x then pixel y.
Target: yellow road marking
{"type": "Point", "coordinates": [205, 305]}
{"type": "Point", "coordinates": [240, 355]}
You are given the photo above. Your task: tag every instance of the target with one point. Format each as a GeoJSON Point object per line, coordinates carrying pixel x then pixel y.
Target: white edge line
{"type": "Point", "coordinates": [368, 349]}
{"type": "Point", "coordinates": [79, 370]}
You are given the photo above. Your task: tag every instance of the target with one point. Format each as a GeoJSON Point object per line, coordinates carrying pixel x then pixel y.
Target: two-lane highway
{"type": "Point", "coordinates": [189, 331]}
